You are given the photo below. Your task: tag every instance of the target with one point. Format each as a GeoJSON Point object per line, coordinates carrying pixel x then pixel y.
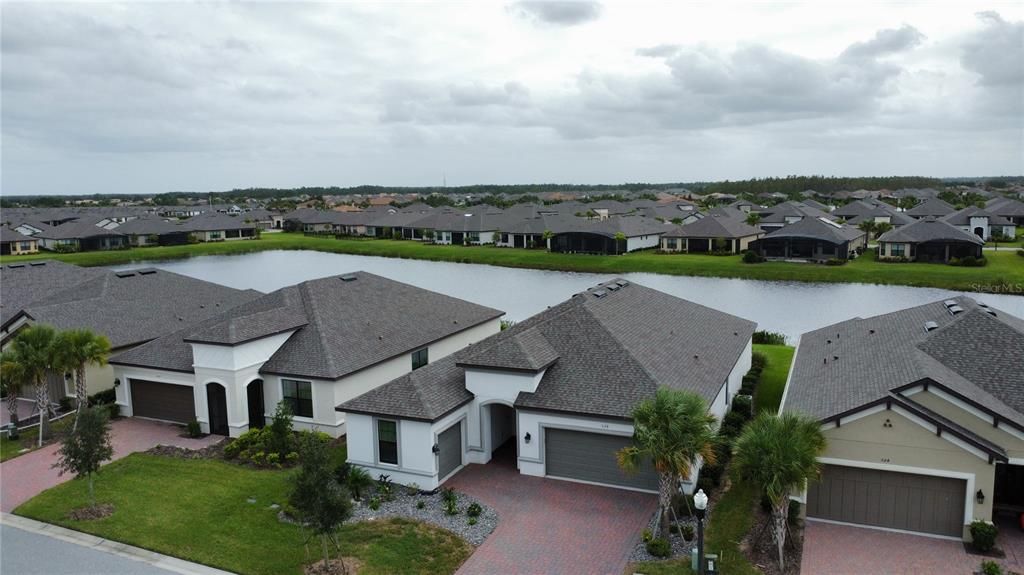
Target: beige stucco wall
{"type": "Point", "coordinates": [1013, 445]}
{"type": "Point", "coordinates": [907, 444]}
{"type": "Point", "coordinates": [886, 249]}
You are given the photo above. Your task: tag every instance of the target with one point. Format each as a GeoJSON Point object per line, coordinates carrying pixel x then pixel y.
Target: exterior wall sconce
{"type": "Point", "coordinates": [117, 382]}
{"type": "Point", "coordinates": [980, 497]}
{"type": "Point", "coordinates": [527, 437]}
{"type": "Point", "coordinates": [436, 449]}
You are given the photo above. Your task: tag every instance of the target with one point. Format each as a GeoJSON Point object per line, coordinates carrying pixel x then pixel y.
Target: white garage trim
{"type": "Point", "coordinates": [969, 477]}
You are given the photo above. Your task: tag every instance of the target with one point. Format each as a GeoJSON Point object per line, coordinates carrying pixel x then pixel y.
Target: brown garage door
{"type": "Point", "coordinates": [162, 401]}
{"type": "Point", "coordinates": [888, 499]}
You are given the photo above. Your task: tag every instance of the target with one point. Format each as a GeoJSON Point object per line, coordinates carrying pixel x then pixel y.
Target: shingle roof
{"type": "Point", "coordinates": [615, 346]}
{"type": "Point", "coordinates": [23, 283]}
{"type": "Point", "coordinates": [344, 324]}
{"type": "Point", "coordinates": [135, 306]}
{"type": "Point", "coordinates": [846, 365]}
{"type": "Point", "coordinates": [933, 207]}
{"type": "Point", "coordinates": [8, 235]}
{"type": "Point", "coordinates": [963, 217]}
{"type": "Point", "coordinates": [714, 226]}
{"type": "Point", "coordinates": [929, 229]}
{"type": "Point", "coordinates": [1006, 207]}
{"type": "Point", "coordinates": [817, 229]}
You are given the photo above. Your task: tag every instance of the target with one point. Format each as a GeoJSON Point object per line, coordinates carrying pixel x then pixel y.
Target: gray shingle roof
{"type": "Point", "coordinates": [612, 352]}
{"type": "Point", "coordinates": [849, 364]}
{"type": "Point", "coordinates": [344, 324]}
{"type": "Point", "coordinates": [963, 217]}
{"type": "Point", "coordinates": [929, 229]}
{"type": "Point", "coordinates": [817, 229]}
{"type": "Point", "coordinates": [714, 226]}
{"type": "Point", "coordinates": [8, 235]}
{"type": "Point", "coordinates": [23, 283]}
{"type": "Point", "coordinates": [932, 207]}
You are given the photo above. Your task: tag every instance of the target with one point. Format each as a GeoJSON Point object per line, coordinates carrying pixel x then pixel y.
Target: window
{"type": "Point", "coordinates": [504, 238]}
{"type": "Point", "coordinates": [419, 358]}
{"type": "Point", "coordinates": [897, 250]}
{"type": "Point", "coordinates": [298, 395]}
{"type": "Point", "coordinates": [387, 441]}
{"type": "Point", "coordinates": [670, 243]}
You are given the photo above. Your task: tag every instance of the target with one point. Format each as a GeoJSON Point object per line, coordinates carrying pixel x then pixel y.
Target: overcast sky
{"type": "Point", "coordinates": [148, 98]}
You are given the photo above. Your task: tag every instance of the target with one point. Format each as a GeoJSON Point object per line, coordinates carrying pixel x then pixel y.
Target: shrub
{"type": "Point", "coordinates": [659, 547]}
{"type": "Point", "coordinates": [358, 481]}
{"type": "Point", "coordinates": [794, 512]}
{"type": "Point", "coordinates": [989, 567]}
{"type": "Point", "coordinates": [451, 507]}
{"type": "Point", "coordinates": [105, 397]}
{"type": "Point", "coordinates": [751, 257]}
{"type": "Point", "coordinates": [769, 337]}
{"type": "Point", "coordinates": [420, 504]}
{"type": "Point", "coordinates": [471, 521]}
{"type": "Point", "coordinates": [448, 495]}
{"type": "Point", "coordinates": [707, 485]}
{"type": "Point", "coordinates": [743, 404]}
{"type": "Point", "coordinates": [983, 535]}
{"type": "Point", "coordinates": [413, 488]}
{"type": "Point", "coordinates": [193, 428]}
{"type": "Point", "coordinates": [835, 262]}
{"type": "Point", "coordinates": [646, 535]}
{"type": "Point", "coordinates": [65, 404]}
{"type": "Point", "coordinates": [711, 473]}
{"type": "Point", "coordinates": [385, 487]}
{"type": "Point", "coordinates": [375, 503]}
{"type": "Point", "coordinates": [474, 509]}
{"type": "Point", "coordinates": [758, 360]}
{"type": "Point", "coordinates": [893, 259]}
{"type": "Point", "coordinates": [1020, 253]}
{"type": "Point", "coordinates": [687, 532]}
{"type": "Point", "coordinates": [683, 505]}
{"type": "Point", "coordinates": [732, 424]}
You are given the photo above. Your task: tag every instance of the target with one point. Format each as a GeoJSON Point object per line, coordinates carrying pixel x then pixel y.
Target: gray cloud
{"type": "Point", "coordinates": [885, 43]}
{"type": "Point", "coordinates": [559, 13]}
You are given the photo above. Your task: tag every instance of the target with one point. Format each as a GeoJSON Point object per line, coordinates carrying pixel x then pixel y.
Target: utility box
{"type": "Point", "coordinates": [710, 562]}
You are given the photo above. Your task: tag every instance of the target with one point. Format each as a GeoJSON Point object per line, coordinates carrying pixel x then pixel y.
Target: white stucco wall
{"type": "Point", "coordinates": [642, 242]}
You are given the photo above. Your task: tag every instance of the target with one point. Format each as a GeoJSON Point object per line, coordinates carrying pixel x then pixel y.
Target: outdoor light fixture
{"type": "Point", "coordinates": [980, 497]}
{"type": "Point", "coordinates": [700, 503]}
{"type": "Point", "coordinates": [527, 437]}
{"type": "Point", "coordinates": [117, 382]}
{"type": "Point", "coordinates": [436, 449]}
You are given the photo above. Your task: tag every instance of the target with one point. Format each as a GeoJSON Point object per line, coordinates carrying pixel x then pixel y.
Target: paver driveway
{"type": "Point", "coordinates": [551, 526]}
{"type": "Point", "coordinates": [25, 476]}
{"type": "Point", "coordinates": [848, 550]}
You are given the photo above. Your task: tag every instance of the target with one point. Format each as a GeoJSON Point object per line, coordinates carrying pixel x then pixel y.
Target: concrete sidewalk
{"type": "Point", "coordinates": [81, 552]}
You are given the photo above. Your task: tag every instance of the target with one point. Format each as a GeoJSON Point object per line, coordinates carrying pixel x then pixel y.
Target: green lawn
{"type": "Point", "coordinates": [773, 378]}
{"type": "Point", "coordinates": [12, 448]}
{"type": "Point", "coordinates": [198, 510]}
{"type": "Point", "coordinates": [1005, 269]}
{"type": "Point", "coordinates": [727, 526]}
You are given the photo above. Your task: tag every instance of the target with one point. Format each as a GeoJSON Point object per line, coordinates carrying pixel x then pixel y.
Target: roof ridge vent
{"type": "Point", "coordinates": [930, 325]}
{"type": "Point", "coordinates": [599, 293]}
{"type": "Point", "coordinates": [349, 278]}
{"type": "Point", "coordinates": [37, 264]}
{"type": "Point", "coordinates": [124, 274]}
{"type": "Point", "coordinates": [955, 309]}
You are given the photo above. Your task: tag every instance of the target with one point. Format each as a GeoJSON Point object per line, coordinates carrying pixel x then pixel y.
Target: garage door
{"type": "Point", "coordinates": [591, 457]}
{"type": "Point", "coordinates": [888, 499]}
{"type": "Point", "coordinates": [162, 401]}
{"type": "Point", "coordinates": [450, 445]}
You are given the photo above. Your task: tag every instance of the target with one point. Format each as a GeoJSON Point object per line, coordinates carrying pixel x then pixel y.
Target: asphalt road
{"type": "Point", "coordinates": [25, 553]}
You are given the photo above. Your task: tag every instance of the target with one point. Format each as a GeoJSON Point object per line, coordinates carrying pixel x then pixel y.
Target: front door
{"type": "Point", "coordinates": [217, 403]}
{"type": "Point", "coordinates": [254, 395]}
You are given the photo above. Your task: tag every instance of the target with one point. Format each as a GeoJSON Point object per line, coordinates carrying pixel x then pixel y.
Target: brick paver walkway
{"type": "Point", "coordinates": [848, 550]}
{"type": "Point", "coordinates": [25, 476]}
{"type": "Point", "coordinates": [552, 526]}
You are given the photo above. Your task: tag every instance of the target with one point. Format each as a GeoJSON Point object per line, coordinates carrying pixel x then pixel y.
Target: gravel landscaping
{"type": "Point", "coordinates": [433, 512]}
{"type": "Point", "coordinates": [680, 548]}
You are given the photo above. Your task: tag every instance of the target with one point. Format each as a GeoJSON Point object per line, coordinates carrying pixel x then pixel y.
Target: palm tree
{"type": "Point", "coordinates": [674, 431]}
{"type": "Point", "coordinates": [76, 348]}
{"type": "Point", "coordinates": [34, 348]}
{"type": "Point", "coordinates": [547, 235]}
{"type": "Point", "coordinates": [12, 377]}
{"type": "Point", "coordinates": [753, 218]}
{"type": "Point", "coordinates": [881, 228]}
{"type": "Point", "coordinates": [619, 238]}
{"type": "Point", "coordinates": [780, 454]}
{"type": "Point", "coordinates": [867, 226]}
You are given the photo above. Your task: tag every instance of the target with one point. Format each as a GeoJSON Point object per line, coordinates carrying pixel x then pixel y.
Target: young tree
{"type": "Point", "coordinates": [322, 503]}
{"type": "Point", "coordinates": [867, 226]}
{"type": "Point", "coordinates": [881, 228]}
{"type": "Point", "coordinates": [34, 348]}
{"type": "Point", "coordinates": [74, 349]}
{"type": "Point", "coordinates": [780, 455]}
{"type": "Point", "coordinates": [87, 447]}
{"type": "Point", "coordinates": [619, 239]}
{"type": "Point", "coordinates": [13, 376]}
{"type": "Point", "coordinates": [672, 430]}
{"type": "Point", "coordinates": [753, 219]}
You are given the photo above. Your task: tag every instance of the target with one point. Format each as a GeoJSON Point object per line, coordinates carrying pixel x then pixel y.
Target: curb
{"type": "Point", "coordinates": [158, 560]}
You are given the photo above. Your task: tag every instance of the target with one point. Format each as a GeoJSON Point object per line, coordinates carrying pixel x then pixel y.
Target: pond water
{"type": "Point", "coordinates": [788, 307]}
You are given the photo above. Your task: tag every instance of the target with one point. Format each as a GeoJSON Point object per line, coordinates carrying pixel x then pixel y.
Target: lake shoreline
{"type": "Point", "coordinates": [1003, 275]}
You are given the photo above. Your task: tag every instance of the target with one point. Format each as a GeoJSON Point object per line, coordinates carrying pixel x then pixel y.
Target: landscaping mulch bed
{"type": "Point", "coordinates": [343, 566]}
{"type": "Point", "coordinates": [215, 451]}
{"type": "Point", "coordinates": [761, 551]}
{"type": "Point", "coordinates": [91, 513]}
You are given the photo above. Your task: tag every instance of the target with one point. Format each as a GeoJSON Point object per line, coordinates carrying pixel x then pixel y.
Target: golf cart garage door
{"type": "Point", "coordinates": [906, 501]}
{"type": "Point", "coordinates": [591, 457]}
{"type": "Point", "coordinates": [163, 401]}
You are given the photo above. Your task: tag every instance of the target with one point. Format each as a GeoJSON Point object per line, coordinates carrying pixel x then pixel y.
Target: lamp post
{"type": "Point", "coordinates": [700, 503]}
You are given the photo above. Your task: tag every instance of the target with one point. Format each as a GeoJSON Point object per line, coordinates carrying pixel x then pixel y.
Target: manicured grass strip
{"type": "Point", "coordinates": [198, 510]}
{"type": "Point", "coordinates": [773, 378]}
{"type": "Point", "coordinates": [12, 448]}
{"type": "Point", "coordinates": [727, 526]}
{"type": "Point", "coordinates": [1004, 272]}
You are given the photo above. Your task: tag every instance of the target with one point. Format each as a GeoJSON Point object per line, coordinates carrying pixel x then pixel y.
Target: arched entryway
{"type": "Point", "coordinates": [254, 396]}
{"type": "Point", "coordinates": [502, 431]}
{"type": "Point", "coordinates": [217, 406]}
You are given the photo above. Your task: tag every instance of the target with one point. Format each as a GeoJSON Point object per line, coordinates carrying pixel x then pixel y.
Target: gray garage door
{"type": "Point", "coordinates": [450, 444]}
{"type": "Point", "coordinates": [162, 401]}
{"type": "Point", "coordinates": [591, 457]}
{"type": "Point", "coordinates": [888, 499]}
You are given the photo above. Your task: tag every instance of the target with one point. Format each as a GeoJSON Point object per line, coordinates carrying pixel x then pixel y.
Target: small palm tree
{"type": "Point", "coordinates": [753, 219]}
{"type": "Point", "coordinates": [780, 454]}
{"type": "Point", "coordinates": [619, 238]}
{"type": "Point", "coordinates": [867, 226]}
{"type": "Point", "coordinates": [34, 348]}
{"type": "Point", "coordinates": [74, 349]}
{"type": "Point", "coordinates": [881, 228]}
{"type": "Point", "coordinates": [674, 431]}
{"type": "Point", "coordinates": [13, 377]}
{"type": "Point", "coordinates": [547, 235]}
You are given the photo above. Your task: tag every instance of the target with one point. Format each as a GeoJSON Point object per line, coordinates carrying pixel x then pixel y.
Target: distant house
{"type": "Point", "coordinates": [876, 211]}
{"type": "Point", "coordinates": [929, 240]}
{"type": "Point", "coordinates": [312, 345]}
{"type": "Point", "coordinates": [786, 213]}
{"type": "Point", "coordinates": [580, 235]}
{"type": "Point", "coordinates": [554, 392]}
{"type": "Point", "coordinates": [13, 243]}
{"type": "Point", "coordinates": [934, 207]}
{"type": "Point", "coordinates": [1008, 208]}
{"type": "Point", "coordinates": [981, 222]}
{"type": "Point", "coordinates": [80, 236]}
{"type": "Point", "coordinates": [142, 232]}
{"type": "Point", "coordinates": [923, 413]}
{"type": "Point", "coordinates": [811, 239]}
{"type": "Point", "coordinates": [705, 235]}
{"type": "Point", "coordinates": [216, 227]}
